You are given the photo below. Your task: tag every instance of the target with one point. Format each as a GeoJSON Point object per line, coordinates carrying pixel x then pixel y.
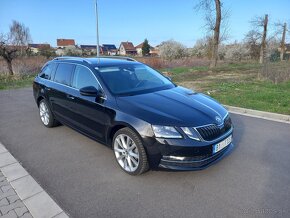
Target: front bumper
{"type": "Point", "coordinates": [194, 163]}
{"type": "Point", "coordinates": [186, 154]}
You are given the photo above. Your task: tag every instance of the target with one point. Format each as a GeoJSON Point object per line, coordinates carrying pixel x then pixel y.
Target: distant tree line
{"type": "Point", "coordinates": [260, 43]}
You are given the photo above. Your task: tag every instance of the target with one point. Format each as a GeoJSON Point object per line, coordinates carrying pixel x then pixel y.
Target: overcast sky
{"type": "Point", "coordinates": [130, 20]}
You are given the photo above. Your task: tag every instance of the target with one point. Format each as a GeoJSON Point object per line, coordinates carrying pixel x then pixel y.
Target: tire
{"type": "Point", "coordinates": [46, 116]}
{"type": "Point", "coordinates": [129, 150]}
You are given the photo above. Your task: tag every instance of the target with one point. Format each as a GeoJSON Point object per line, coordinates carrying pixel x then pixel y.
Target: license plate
{"type": "Point", "coordinates": [222, 144]}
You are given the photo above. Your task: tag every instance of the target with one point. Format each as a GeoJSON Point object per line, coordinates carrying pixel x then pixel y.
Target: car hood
{"type": "Point", "coordinates": [175, 107]}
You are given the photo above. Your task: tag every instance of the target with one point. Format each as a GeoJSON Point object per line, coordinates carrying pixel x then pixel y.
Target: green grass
{"type": "Point", "coordinates": [238, 85]}
{"type": "Point", "coordinates": [258, 95]}
{"type": "Point", "coordinates": [14, 82]}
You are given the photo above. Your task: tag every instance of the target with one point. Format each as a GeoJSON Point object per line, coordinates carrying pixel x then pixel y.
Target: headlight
{"type": "Point", "coordinates": [191, 133]}
{"type": "Point", "coordinates": [165, 132]}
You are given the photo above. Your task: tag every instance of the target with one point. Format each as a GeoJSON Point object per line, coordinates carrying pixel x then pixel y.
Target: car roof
{"type": "Point", "coordinates": [99, 62]}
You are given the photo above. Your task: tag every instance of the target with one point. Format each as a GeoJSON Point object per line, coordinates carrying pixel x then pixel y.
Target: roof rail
{"type": "Point", "coordinates": [119, 57]}
{"type": "Point", "coordinates": [72, 58]}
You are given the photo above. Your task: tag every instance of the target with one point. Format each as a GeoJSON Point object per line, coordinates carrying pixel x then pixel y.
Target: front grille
{"type": "Point", "coordinates": [212, 131]}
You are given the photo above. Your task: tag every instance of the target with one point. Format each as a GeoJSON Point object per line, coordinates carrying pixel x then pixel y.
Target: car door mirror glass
{"type": "Point", "coordinates": [90, 91]}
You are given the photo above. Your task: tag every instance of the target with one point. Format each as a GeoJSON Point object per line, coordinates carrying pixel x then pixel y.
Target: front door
{"type": "Point", "coordinates": [89, 113]}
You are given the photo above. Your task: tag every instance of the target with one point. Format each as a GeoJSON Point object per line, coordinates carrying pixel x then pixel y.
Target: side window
{"type": "Point", "coordinates": [84, 77]}
{"type": "Point", "coordinates": [63, 74]}
{"type": "Point", "coordinates": [47, 71]}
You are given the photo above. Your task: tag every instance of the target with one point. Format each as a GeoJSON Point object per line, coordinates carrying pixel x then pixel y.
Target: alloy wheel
{"type": "Point", "coordinates": [44, 113]}
{"type": "Point", "coordinates": [126, 153]}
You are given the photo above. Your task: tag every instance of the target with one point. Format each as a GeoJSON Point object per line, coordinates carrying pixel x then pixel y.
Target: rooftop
{"type": "Point", "coordinates": [141, 45]}
{"type": "Point", "coordinates": [88, 46]}
{"type": "Point", "coordinates": [128, 46]}
{"type": "Point", "coordinates": [45, 45]}
{"type": "Point", "coordinates": [65, 42]}
{"type": "Point", "coordinates": [110, 46]}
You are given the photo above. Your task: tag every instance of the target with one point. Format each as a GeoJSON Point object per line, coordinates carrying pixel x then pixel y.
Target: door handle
{"type": "Point", "coordinates": [70, 97]}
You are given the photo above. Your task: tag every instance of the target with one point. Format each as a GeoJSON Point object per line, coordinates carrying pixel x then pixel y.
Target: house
{"type": "Point", "coordinates": [36, 47]}
{"type": "Point", "coordinates": [155, 51]}
{"type": "Point", "coordinates": [139, 49]}
{"type": "Point", "coordinates": [127, 48]}
{"type": "Point", "coordinates": [109, 49]}
{"type": "Point", "coordinates": [67, 47]}
{"type": "Point", "coordinates": [65, 42]}
{"type": "Point", "coordinates": [88, 49]}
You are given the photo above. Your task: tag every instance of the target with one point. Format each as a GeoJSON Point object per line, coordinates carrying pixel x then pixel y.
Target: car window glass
{"type": "Point", "coordinates": [47, 71]}
{"type": "Point", "coordinates": [133, 78]}
{"type": "Point", "coordinates": [63, 74]}
{"type": "Point", "coordinates": [143, 75]}
{"type": "Point", "coordinates": [84, 77]}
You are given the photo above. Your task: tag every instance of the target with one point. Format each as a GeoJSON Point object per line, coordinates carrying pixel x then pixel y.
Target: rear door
{"type": "Point", "coordinates": [42, 81]}
{"type": "Point", "coordinates": [59, 91]}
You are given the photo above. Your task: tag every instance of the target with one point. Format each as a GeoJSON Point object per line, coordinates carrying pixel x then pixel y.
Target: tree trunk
{"type": "Point", "coordinates": [282, 51]}
{"type": "Point", "coordinates": [216, 36]}
{"type": "Point", "coordinates": [9, 63]}
{"type": "Point", "coordinates": [263, 44]}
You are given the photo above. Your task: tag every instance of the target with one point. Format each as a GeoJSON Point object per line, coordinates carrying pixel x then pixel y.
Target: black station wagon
{"type": "Point", "coordinates": [146, 119]}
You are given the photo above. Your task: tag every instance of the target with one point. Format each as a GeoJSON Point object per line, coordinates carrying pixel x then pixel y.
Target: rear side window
{"type": "Point", "coordinates": [47, 71]}
{"type": "Point", "coordinates": [84, 77]}
{"type": "Point", "coordinates": [63, 74]}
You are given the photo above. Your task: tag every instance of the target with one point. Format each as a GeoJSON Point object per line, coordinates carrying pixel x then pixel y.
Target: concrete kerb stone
{"type": "Point", "coordinates": [29, 192]}
{"type": "Point", "coordinates": [259, 114]}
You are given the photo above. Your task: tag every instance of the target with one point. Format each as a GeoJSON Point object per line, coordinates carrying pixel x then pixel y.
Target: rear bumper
{"type": "Point", "coordinates": [193, 163]}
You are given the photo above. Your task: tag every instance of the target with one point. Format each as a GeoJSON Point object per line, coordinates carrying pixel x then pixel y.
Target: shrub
{"type": "Point", "coordinates": [171, 49]}
{"type": "Point", "coordinates": [237, 52]}
{"type": "Point", "coordinates": [275, 56]}
{"type": "Point", "coordinates": [276, 72]}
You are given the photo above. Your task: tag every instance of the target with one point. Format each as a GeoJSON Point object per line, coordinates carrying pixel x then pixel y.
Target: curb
{"type": "Point", "coordinates": [34, 197]}
{"type": "Point", "coordinates": [259, 114]}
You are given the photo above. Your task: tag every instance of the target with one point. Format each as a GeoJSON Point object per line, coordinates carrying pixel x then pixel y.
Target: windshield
{"type": "Point", "coordinates": [133, 79]}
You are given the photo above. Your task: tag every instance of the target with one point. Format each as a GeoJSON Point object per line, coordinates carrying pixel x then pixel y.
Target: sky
{"type": "Point", "coordinates": [131, 20]}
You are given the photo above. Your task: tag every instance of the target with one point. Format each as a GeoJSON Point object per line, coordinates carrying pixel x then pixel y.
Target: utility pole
{"type": "Point", "coordinates": [97, 25]}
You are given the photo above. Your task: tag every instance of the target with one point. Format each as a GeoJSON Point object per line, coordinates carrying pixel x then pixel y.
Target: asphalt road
{"type": "Point", "coordinates": [82, 176]}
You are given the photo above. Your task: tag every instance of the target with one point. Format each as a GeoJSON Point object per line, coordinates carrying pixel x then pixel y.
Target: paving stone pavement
{"type": "Point", "coordinates": [10, 204]}
{"type": "Point", "coordinates": [20, 195]}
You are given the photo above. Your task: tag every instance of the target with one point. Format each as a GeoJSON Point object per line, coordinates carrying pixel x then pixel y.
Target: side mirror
{"type": "Point", "coordinates": [90, 91]}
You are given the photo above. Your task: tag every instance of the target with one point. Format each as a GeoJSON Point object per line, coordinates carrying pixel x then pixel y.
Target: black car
{"type": "Point", "coordinates": [145, 118]}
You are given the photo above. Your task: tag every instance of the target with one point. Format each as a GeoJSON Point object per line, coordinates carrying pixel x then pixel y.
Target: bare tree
{"type": "Point", "coordinates": [264, 37]}
{"type": "Point", "coordinates": [214, 18]}
{"type": "Point", "coordinates": [261, 22]}
{"type": "Point", "coordinates": [252, 40]}
{"type": "Point", "coordinates": [216, 35]}
{"type": "Point", "coordinates": [14, 43]}
{"type": "Point", "coordinates": [7, 52]}
{"type": "Point", "coordinates": [282, 46]}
